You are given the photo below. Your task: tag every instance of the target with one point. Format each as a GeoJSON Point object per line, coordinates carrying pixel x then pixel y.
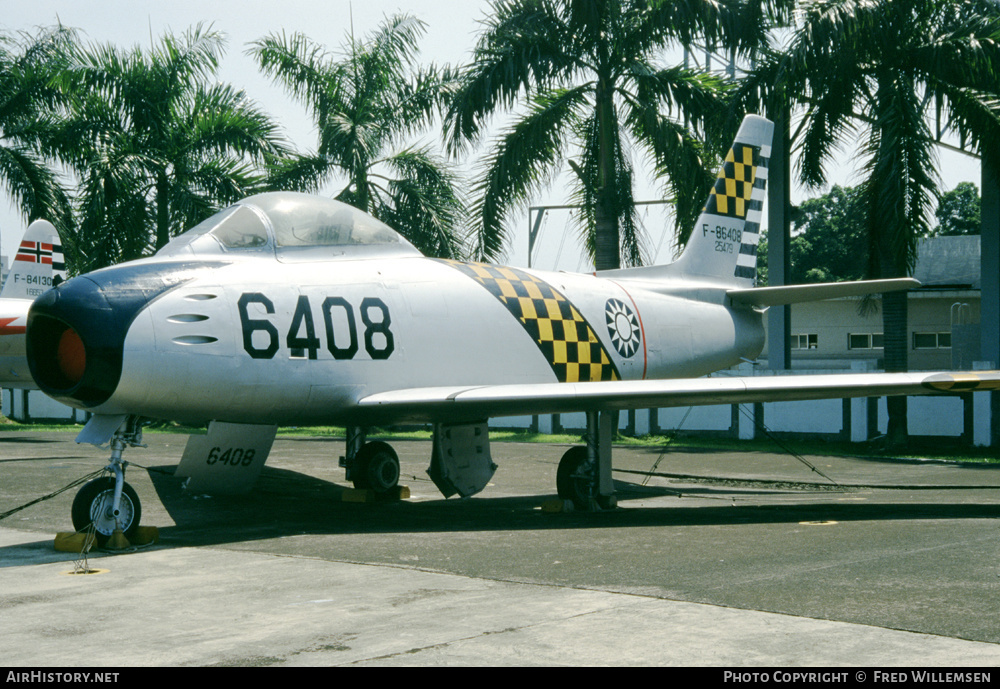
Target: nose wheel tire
{"type": "Point", "coordinates": [93, 505]}
{"type": "Point", "coordinates": [377, 468]}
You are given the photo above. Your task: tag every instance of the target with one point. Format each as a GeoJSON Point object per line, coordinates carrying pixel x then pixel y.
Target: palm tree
{"type": "Point", "coordinates": [27, 103]}
{"type": "Point", "coordinates": [871, 72]}
{"type": "Point", "coordinates": [157, 146]}
{"type": "Point", "coordinates": [366, 104]}
{"type": "Point", "coordinates": [589, 72]}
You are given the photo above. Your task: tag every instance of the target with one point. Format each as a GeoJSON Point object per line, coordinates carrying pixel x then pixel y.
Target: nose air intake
{"type": "Point", "coordinates": [71, 356]}
{"type": "Point", "coordinates": [76, 332]}
{"type": "Point", "coordinates": [75, 342]}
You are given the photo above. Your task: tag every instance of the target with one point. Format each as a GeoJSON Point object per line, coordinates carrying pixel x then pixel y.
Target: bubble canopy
{"type": "Point", "coordinates": [290, 225]}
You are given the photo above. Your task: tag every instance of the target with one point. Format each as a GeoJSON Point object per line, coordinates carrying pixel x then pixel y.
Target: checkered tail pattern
{"type": "Point", "coordinates": [739, 193]}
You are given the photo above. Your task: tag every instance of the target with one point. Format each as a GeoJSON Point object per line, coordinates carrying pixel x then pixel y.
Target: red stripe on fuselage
{"type": "Point", "coordinates": [7, 329]}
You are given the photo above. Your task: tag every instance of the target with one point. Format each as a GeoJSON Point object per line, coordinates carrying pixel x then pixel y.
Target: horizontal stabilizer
{"type": "Point", "coordinates": [432, 404]}
{"type": "Point", "coordinates": [795, 294]}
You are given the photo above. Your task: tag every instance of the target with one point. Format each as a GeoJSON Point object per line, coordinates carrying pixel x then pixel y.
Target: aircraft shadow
{"type": "Point", "coordinates": [47, 458]}
{"type": "Point", "coordinates": [285, 503]}
{"type": "Point", "coordinates": [34, 441]}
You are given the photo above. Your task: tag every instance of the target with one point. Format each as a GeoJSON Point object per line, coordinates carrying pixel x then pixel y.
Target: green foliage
{"type": "Point", "coordinates": [829, 239]}
{"type": "Point", "coordinates": [868, 73]}
{"type": "Point", "coordinates": [584, 75]}
{"type": "Point", "coordinates": [958, 211]}
{"type": "Point", "coordinates": [28, 105]}
{"type": "Point", "coordinates": [156, 143]}
{"type": "Point", "coordinates": [365, 105]}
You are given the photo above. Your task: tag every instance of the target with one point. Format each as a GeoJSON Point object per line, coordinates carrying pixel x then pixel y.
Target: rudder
{"type": "Point", "coordinates": [723, 244]}
{"type": "Point", "coordinates": [38, 261]}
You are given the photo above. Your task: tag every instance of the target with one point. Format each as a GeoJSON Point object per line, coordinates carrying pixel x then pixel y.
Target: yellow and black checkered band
{"type": "Point", "coordinates": [563, 335]}
{"type": "Point", "coordinates": [731, 195]}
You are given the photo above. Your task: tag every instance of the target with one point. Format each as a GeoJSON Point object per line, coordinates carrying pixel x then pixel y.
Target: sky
{"type": "Point", "coordinates": [452, 27]}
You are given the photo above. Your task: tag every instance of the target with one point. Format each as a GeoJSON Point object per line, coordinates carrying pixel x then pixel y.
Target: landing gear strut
{"type": "Point", "coordinates": [584, 473]}
{"type": "Point", "coordinates": [108, 503]}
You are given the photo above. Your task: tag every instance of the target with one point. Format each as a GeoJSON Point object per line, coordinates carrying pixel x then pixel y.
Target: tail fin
{"type": "Point", "coordinates": [39, 260]}
{"type": "Point", "coordinates": [723, 245]}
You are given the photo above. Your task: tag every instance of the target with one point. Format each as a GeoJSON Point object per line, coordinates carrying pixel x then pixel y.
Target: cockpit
{"type": "Point", "coordinates": [290, 226]}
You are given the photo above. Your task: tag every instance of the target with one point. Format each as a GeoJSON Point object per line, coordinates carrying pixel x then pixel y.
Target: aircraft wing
{"type": "Point", "coordinates": [433, 404]}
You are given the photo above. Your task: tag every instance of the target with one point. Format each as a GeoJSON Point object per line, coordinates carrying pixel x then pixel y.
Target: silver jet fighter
{"type": "Point", "coordinates": [289, 309]}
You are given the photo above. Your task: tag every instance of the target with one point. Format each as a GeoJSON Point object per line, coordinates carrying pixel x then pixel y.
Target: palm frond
{"type": "Point", "coordinates": [521, 163]}
{"type": "Point", "coordinates": [525, 47]}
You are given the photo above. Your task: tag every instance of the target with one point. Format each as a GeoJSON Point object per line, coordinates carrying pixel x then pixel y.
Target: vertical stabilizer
{"type": "Point", "coordinates": [723, 245]}
{"type": "Point", "coordinates": [38, 261]}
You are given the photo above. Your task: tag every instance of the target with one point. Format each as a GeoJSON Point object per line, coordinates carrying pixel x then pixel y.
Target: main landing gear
{"type": "Point", "coordinates": [108, 503]}
{"type": "Point", "coordinates": [461, 463]}
{"type": "Point", "coordinates": [584, 473]}
{"type": "Point", "coordinates": [371, 465]}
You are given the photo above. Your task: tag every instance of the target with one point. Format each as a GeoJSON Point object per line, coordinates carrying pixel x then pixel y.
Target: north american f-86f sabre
{"type": "Point", "coordinates": [290, 309]}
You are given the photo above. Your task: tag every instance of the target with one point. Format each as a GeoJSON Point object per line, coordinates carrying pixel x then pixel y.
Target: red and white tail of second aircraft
{"type": "Point", "coordinates": [37, 266]}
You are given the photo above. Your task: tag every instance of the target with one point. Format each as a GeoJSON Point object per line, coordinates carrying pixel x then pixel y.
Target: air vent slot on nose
{"type": "Point", "coordinates": [195, 339]}
{"type": "Point", "coordinates": [187, 318]}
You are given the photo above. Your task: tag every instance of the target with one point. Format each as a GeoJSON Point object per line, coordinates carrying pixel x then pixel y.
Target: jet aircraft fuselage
{"type": "Point", "coordinates": [265, 332]}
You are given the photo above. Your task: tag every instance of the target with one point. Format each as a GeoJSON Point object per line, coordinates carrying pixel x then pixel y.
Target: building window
{"type": "Point", "coordinates": [807, 341]}
{"type": "Point", "coordinates": [864, 341]}
{"type": "Point", "coordinates": [932, 340]}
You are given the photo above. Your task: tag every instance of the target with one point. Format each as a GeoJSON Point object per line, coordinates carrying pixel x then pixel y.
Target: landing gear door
{"type": "Point", "coordinates": [228, 460]}
{"type": "Point", "coordinates": [461, 461]}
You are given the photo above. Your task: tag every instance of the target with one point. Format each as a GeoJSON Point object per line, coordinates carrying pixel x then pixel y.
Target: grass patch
{"type": "Point", "coordinates": [941, 449]}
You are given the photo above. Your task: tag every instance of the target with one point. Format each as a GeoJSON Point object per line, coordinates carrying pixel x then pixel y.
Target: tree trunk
{"type": "Point", "coordinates": [607, 246]}
{"type": "Point", "coordinates": [896, 341]}
{"type": "Point", "coordinates": [361, 187]}
{"type": "Point", "coordinates": [162, 210]}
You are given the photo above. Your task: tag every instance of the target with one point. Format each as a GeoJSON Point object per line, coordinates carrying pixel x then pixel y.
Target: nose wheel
{"type": "Point", "coordinates": [94, 504]}
{"type": "Point", "coordinates": [108, 503]}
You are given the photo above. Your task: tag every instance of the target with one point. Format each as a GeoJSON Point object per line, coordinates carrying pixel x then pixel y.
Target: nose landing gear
{"type": "Point", "coordinates": [95, 504]}
{"type": "Point", "coordinates": [108, 503]}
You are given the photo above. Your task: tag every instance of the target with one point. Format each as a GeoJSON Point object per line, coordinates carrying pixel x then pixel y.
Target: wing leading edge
{"type": "Point", "coordinates": [456, 403]}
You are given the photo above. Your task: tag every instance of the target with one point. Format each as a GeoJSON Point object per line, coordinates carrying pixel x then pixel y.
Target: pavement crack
{"type": "Point", "coordinates": [443, 645]}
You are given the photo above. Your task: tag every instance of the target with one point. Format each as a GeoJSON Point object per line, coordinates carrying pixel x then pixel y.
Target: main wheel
{"type": "Point", "coordinates": [93, 504]}
{"type": "Point", "coordinates": [573, 478]}
{"type": "Point", "coordinates": [377, 468]}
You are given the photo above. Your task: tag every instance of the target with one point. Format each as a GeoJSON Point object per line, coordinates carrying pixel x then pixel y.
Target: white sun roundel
{"type": "Point", "coordinates": [623, 327]}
